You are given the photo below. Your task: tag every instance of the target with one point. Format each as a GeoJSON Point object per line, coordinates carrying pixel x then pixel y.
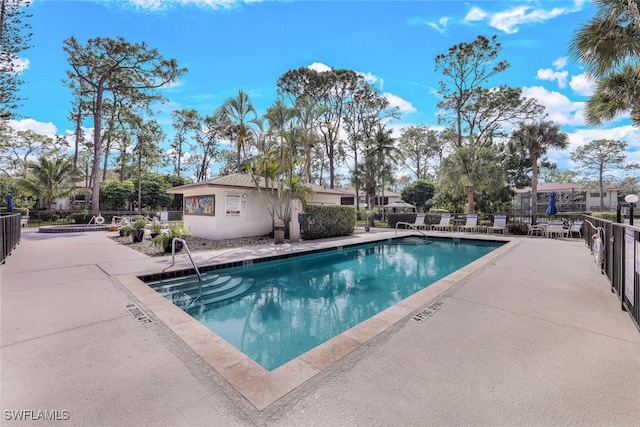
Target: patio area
{"type": "Point", "coordinates": [533, 337]}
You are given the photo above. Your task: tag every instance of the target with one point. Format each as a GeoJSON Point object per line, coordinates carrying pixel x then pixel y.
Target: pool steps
{"type": "Point", "coordinates": [193, 294]}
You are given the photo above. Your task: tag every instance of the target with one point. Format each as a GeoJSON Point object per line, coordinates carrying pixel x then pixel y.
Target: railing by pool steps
{"type": "Point", "coordinates": [173, 256]}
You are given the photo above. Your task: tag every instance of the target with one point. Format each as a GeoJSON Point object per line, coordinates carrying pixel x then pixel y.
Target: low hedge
{"type": "Point", "coordinates": [321, 222]}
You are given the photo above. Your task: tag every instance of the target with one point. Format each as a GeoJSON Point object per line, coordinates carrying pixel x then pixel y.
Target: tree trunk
{"type": "Point", "coordinates": [534, 188]}
{"type": "Point", "coordinates": [97, 149]}
{"type": "Point", "coordinates": [470, 199]}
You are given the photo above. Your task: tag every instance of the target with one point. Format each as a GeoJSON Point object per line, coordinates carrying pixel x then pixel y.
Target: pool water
{"type": "Point", "coordinates": [292, 305]}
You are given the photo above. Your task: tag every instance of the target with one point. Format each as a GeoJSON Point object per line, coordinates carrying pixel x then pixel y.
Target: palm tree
{"type": "Point", "coordinates": [49, 180]}
{"type": "Point", "coordinates": [470, 169]}
{"type": "Point", "coordinates": [614, 95]}
{"type": "Point", "coordinates": [534, 140]}
{"type": "Point", "coordinates": [237, 110]}
{"type": "Point", "coordinates": [609, 46]}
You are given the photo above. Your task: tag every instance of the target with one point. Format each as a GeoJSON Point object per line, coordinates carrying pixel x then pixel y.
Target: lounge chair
{"type": "Point", "coordinates": [417, 225]}
{"type": "Point", "coordinates": [444, 225]}
{"type": "Point", "coordinates": [499, 224]}
{"type": "Point", "coordinates": [471, 224]}
{"type": "Point", "coordinates": [576, 227]}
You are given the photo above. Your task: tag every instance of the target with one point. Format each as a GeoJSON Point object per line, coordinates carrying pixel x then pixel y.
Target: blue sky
{"type": "Point", "coordinates": [229, 45]}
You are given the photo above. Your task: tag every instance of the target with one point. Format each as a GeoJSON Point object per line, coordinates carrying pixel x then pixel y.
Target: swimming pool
{"type": "Point", "coordinates": [275, 311]}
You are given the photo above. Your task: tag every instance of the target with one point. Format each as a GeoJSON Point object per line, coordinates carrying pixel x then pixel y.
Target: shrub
{"type": "Point", "coordinates": [609, 216]}
{"type": "Point", "coordinates": [517, 228]}
{"type": "Point", "coordinates": [321, 222]}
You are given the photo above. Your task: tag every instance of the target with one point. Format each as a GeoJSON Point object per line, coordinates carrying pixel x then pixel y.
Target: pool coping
{"type": "Point", "coordinates": [262, 387]}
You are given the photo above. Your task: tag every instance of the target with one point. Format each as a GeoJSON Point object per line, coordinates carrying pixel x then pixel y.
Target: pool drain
{"type": "Point", "coordinates": [431, 308]}
{"type": "Point", "coordinates": [137, 313]}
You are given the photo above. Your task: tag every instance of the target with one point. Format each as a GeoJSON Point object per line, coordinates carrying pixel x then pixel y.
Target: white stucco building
{"type": "Point", "coordinates": [231, 206]}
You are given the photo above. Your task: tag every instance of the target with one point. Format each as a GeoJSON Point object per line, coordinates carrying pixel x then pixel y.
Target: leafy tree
{"type": "Point", "coordinates": [237, 111]}
{"type": "Point", "coordinates": [609, 46]}
{"type": "Point", "coordinates": [107, 65]}
{"type": "Point", "coordinates": [417, 145]}
{"type": "Point", "coordinates": [149, 135]}
{"type": "Point", "coordinates": [469, 169]}
{"type": "Point", "coordinates": [600, 156]}
{"type": "Point", "coordinates": [15, 37]}
{"type": "Point", "coordinates": [380, 156]}
{"type": "Point", "coordinates": [185, 121]}
{"type": "Point", "coordinates": [331, 91]}
{"type": "Point", "coordinates": [49, 179]}
{"type": "Point", "coordinates": [116, 195]}
{"type": "Point", "coordinates": [364, 114]}
{"type": "Point", "coordinates": [476, 114]}
{"type": "Point", "coordinates": [18, 148]}
{"type": "Point", "coordinates": [466, 67]}
{"type": "Point", "coordinates": [418, 193]}
{"type": "Point", "coordinates": [531, 141]}
{"type": "Point", "coordinates": [205, 148]}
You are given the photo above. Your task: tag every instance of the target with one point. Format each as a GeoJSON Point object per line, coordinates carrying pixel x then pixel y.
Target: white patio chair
{"type": "Point", "coordinates": [499, 224]}
{"type": "Point", "coordinates": [444, 225]}
{"type": "Point", "coordinates": [535, 230]}
{"type": "Point", "coordinates": [417, 225]}
{"type": "Point", "coordinates": [576, 227]}
{"type": "Point", "coordinates": [471, 224]}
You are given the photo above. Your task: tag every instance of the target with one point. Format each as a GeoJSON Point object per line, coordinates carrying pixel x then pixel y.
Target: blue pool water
{"type": "Point", "coordinates": [290, 306]}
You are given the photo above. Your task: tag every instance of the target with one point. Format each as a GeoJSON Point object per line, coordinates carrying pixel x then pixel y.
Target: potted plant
{"type": "Point", "coordinates": [367, 220]}
{"type": "Point", "coordinates": [155, 228]}
{"type": "Point", "coordinates": [125, 230]}
{"type": "Point", "coordinates": [137, 232]}
{"type": "Point", "coordinates": [165, 238]}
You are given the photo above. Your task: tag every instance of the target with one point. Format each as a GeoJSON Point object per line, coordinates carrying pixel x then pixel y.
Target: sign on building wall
{"type": "Point", "coordinates": [200, 205]}
{"type": "Point", "coordinates": [233, 204]}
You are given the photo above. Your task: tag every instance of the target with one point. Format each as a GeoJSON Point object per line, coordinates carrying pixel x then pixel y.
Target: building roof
{"type": "Point", "coordinates": [548, 187]}
{"type": "Point", "coordinates": [241, 180]}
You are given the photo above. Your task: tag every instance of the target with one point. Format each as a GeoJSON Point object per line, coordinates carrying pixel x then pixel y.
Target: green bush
{"type": "Point", "coordinates": [321, 222]}
{"type": "Point", "coordinates": [81, 217]}
{"type": "Point", "coordinates": [517, 228]}
{"type": "Point", "coordinates": [609, 216]}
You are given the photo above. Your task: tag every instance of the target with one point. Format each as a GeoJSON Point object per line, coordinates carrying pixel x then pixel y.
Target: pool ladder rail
{"type": "Point", "coordinates": [173, 256]}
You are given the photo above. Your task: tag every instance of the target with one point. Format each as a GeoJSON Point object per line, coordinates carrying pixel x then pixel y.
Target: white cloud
{"type": "Point", "coordinates": [511, 20]}
{"type": "Point", "coordinates": [20, 65]}
{"type": "Point", "coordinates": [582, 84]}
{"type": "Point", "coordinates": [319, 67]}
{"type": "Point", "coordinates": [551, 75]}
{"type": "Point", "coordinates": [475, 14]}
{"type": "Point", "coordinates": [560, 63]}
{"type": "Point", "coordinates": [162, 5]}
{"type": "Point", "coordinates": [559, 108]}
{"type": "Point", "coordinates": [403, 105]}
{"type": "Point", "coordinates": [48, 128]}
{"type": "Point", "coordinates": [441, 25]}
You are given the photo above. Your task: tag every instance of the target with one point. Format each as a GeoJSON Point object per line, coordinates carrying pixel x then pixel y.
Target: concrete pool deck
{"type": "Point", "coordinates": [530, 336]}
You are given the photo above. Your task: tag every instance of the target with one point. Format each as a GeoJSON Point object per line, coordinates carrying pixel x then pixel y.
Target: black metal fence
{"type": "Point", "coordinates": [616, 248]}
{"type": "Point", "coordinates": [9, 234]}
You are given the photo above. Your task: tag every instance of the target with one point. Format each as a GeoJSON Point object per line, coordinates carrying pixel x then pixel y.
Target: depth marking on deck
{"type": "Point", "coordinates": [431, 308]}
{"type": "Point", "coordinates": [137, 313]}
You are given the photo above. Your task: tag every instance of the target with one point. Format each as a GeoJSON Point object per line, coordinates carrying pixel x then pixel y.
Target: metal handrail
{"type": "Point", "coordinates": [173, 256]}
{"type": "Point", "coordinates": [411, 227]}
